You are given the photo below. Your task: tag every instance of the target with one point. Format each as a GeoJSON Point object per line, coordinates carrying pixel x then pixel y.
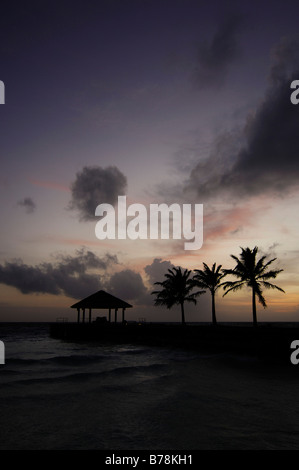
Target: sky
{"type": "Point", "coordinates": [163, 101]}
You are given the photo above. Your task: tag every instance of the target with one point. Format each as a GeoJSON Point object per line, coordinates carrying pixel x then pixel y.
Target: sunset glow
{"type": "Point", "coordinates": [164, 103]}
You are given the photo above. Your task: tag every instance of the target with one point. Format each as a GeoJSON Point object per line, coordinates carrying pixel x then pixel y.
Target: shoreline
{"type": "Point", "coordinates": [263, 342]}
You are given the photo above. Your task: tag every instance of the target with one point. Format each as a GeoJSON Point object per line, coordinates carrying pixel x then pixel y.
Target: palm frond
{"type": "Point", "coordinates": [230, 286]}
{"type": "Point", "coordinates": [270, 274]}
{"type": "Point", "coordinates": [269, 285]}
{"type": "Point", "coordinates": [261, 298]}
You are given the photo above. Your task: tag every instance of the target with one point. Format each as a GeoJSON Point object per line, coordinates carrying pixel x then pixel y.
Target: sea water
{"type": "Point", "coordinates": [62, 395]}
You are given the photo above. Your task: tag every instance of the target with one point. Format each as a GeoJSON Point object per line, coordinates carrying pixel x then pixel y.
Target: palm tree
{"type": "Point", "coordinates": [176, 290]}
{"type": "Point", "coordinates": [210, 279]}
{"type": "Point", "coordinates": [252, 273]}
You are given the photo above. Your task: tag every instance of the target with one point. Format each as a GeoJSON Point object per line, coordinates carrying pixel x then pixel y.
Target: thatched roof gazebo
{"type": "Point", "coordinates": [101, 300]}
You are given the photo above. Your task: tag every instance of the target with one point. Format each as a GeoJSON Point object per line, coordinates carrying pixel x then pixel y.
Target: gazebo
{"type": "Point", "coordinates": [101, 300]}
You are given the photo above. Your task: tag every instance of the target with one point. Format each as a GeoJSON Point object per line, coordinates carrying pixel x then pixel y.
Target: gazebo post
{"type": "Point", "coordinates": [83, 317]}
{"type": "Point", "coordinates": [78, 310]}
{"type": "Point", "coordinates": [109, 315]}
{"type": "Point", "coordinates": [90, 315]}
{"type": "Point", "coordinates": [123, 319]}
{"type": "Point", "coordinates": [115, 319]}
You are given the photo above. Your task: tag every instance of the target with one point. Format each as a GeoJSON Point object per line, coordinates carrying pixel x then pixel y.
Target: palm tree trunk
{"type": "Point", "coordinates": [183, 313]}
{"type": "Point", "coordinates": [254, 308]}
{"type": "Point", "coordinates": [213, 309]}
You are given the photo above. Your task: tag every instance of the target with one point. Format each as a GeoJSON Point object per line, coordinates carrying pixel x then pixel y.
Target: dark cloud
{"type": "Point", "coordinates": [206, 177]}
{"type": "Point", "coordinates": [214, 57]}
{"type": "Point", "coordinates": [267, 158]}
{"type": "Point", "coordinates": [68, 275]}
{"type": "Point", "coordinates": [128, 285]}
{"type": "Point", "coordinates": [94, 186]}
{"type": "Point", "coordinates": [28, 279]}
{"type": "Point", "coordinates": [157, 270]}
{"type": "Point", "coordinates": [285, 60]}
{"type": "Point", "coordinates": [84, 260]}
{"type": "Point", "coordinates": [28, 204]}
{"type": "Point", "coordinates": [75, 276]}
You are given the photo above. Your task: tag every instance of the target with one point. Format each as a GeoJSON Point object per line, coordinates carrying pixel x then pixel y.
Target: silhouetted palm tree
{"type": "Point", "coordinates": [210, 279]}
{"type": "Point", "coordinates": [176, 290]}
{"type": "Point", "coordinates": [252, 273]}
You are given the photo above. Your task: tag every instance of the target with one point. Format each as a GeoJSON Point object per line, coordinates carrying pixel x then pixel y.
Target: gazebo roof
{"type": "Point", "coordinates": [101, 299]}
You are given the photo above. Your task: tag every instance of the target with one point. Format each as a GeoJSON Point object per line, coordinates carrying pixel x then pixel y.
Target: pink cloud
{"type": "Point", "coordinates": [49, 185]}
{"type": "Point", "coordinates": [220, 223]}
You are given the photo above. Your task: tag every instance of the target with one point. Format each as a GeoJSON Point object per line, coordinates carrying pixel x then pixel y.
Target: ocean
{"type": "Point", "coordinates": [63, 395]}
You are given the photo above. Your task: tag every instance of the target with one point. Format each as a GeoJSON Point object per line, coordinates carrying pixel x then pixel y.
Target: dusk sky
{"type": "Point", "coordinates": [164, 101]}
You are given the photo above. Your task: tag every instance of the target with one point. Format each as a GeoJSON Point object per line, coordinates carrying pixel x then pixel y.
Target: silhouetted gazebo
{"type": "Point", "coordinates": [101, 300]}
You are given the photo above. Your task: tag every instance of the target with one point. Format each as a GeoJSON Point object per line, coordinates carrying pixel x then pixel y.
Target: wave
{"type": "Point", "coordinates": [84, 376]}
{"type": "Point", "coordinates": [80, 359]}
{"type": "Point", "coordinates": [133, 351]}
{"type": "Point", "coordinates": [74, 359]}
{"type": "Point", "coordinates": [137, 369]}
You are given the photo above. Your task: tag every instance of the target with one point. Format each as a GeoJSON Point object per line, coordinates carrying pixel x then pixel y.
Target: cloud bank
{"type": "Point", "coordinates": [83, 274]}
{"type": "Point", "coordinates": [68, 275]}
{"type": "Point", "coordinates": [266, 161]}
